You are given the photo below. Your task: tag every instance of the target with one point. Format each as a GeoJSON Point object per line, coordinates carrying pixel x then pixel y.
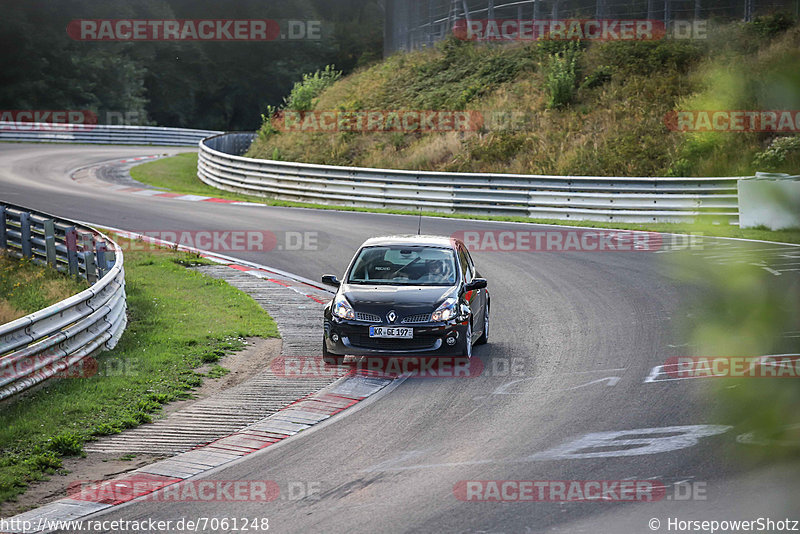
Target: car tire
{"type": "Point", "coordinates": [329, 358]}
{"type": "Point", "coordinates": [485, 336]}
{"type": "Point", "coordinates": [466, 351]}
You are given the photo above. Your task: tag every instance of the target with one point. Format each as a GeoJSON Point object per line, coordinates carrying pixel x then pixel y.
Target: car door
{"type": "Point", "coordinates": [484, 293]}
{"type": "Point", "coordinates": [475, 296]}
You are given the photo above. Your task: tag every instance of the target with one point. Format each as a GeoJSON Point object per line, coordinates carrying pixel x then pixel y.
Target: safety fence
{"type": "Point", "coordinates": [49, 342]}
{"type": "Point", "coordinates": [595, 198]}
{"type": "Point", "coordinates": [100, 134]}
{"type": "Point", "coordinates": [413, 24]}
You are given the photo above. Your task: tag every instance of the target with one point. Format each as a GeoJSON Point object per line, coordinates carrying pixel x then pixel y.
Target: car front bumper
{"type": "Point", "coordinates": [351, 338]}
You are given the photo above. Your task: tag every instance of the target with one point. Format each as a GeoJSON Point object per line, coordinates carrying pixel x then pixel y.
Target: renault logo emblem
{"type": "Point", "coordinates": [392, 316]}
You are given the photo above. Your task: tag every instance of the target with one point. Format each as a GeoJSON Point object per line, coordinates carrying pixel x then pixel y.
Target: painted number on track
{"type": "Point", "coordinates": [631, 442]}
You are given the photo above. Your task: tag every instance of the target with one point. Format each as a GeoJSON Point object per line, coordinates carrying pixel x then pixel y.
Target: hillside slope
{"type": "Point", "coordinates": [596, 109]}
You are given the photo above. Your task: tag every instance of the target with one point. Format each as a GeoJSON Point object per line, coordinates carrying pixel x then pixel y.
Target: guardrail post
{"type": "Point", "coordinates": [71, 238]}
{"type": "Point", "coordinates": [100, 254]}
{"type": "Point", "coordinates": [50, 242]}
{"type": "Point", "coordinates": [25, 233]}
{"type": "Point", "coordinates": [111, 258]}
{"type": "Point", "coordinates": [3, 239]}
{"type": "Point", "coordinates": [88, 258]}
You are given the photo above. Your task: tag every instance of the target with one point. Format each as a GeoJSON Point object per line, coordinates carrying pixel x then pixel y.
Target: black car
{"type": "Point", "coordinates": [407, 295]}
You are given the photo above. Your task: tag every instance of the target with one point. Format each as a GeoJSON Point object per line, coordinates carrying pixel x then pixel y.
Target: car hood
{"type": "Point", "coordinates": [379, 299]}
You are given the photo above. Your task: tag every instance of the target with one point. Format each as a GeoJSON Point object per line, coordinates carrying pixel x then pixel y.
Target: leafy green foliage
{"type": "Point", "coordinates": [650, 57]}
{"type": "Point", "coordinates": [562, 73]}
{"type": "Point", "coordinates": [463, 72]}
{"type": "Point", "coordinates": [267, 129]}
{"type": "Point", "coordinates": [744, 312]}
{"type": "Point", "coordinates": [598, 77]}
{"type": "Point", "coordinates": [217, 371]}
{"type": "Point", "coordinates": [771, 25]}
{"type": "Point", "coordinates": [306, 91]}
{"type": "Point", "coordinates": [67, 444]}
{"type": "Point", "coordinates": [776, 154]}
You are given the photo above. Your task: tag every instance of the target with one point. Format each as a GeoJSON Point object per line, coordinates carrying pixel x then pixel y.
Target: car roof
{"type": "Point", "coordinates": [412, 240]}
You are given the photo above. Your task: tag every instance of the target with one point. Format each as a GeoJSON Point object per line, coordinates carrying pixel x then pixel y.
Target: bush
{"type": "Point", "coordinates": [649, 57]}
{"type": "Point", "coordinates": [597, 78]}
{"type": "Point", "coordinates": [67, 444]}
{"type": "Point", "coordinates": [304, 92]}
{"type": "Point", "coordinates": [463, 73]}
{"type": "Point", "coordinates": [771, 25]}
{"type": "Point", "coordinates": [45, 461]}
{"type": "Point", "coordinates": [776, 153]}
{"type": "Point", "coordinates": [562, 72]}
{"type": "Point", "coordinates": [267, 129]}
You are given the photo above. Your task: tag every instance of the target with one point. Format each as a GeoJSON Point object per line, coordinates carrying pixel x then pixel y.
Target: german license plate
{"type": "Point", "coordinates": [391, 332]}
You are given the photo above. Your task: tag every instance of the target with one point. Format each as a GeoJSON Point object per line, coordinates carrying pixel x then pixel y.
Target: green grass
{"type": "Point", "coordinates": [177, 318]}
{"type": "Point", "coordinates": [179, 174]}
{"type": "Point", "coordinates": [26, 287]}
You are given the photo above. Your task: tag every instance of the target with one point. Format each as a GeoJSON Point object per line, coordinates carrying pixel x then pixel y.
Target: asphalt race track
{"type": "Point", "coordinates": [582, 332]}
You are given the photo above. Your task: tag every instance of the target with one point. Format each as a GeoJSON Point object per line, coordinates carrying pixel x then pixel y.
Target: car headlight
{"type": "Point", "coordinates": [342, 309]}
{"type": "Point", "coordinates": [446, 311]}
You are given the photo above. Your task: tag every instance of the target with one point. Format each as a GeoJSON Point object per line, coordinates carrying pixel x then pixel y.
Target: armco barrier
{"type": "Point", "coordinates": [100, 134]}
{"type": "Point", "coordinates": [48, 342]}
{"type": "Point", "coordinates": [631, 200]}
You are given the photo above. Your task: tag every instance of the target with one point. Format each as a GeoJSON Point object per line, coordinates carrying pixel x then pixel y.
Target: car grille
{"type": "Point", "coordinates": [364, 341]}
{"type": "Point", "coordinates": [367, 317]}
{"type": "Point", "coordinates": [419, 318]}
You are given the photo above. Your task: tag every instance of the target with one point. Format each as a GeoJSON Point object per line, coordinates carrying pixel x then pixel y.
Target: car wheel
{"type": "Point", "coordinates": [329, 358]}
{"type": "Point", "coordinates": [467, 350]}
{"type": "Point", "coordinates": [485, 336]}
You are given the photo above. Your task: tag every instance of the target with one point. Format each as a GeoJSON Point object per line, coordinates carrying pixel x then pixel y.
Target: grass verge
{"type": "Point", "coordinates": [26, 287]}
{"type": "Point", "coordinates": [179, 175]}
{"type": "Point", "coordinates": [179, 320]}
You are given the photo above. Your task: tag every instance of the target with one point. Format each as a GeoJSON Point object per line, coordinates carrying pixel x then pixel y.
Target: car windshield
{"type": "Point", "coordinates": [404, 265]}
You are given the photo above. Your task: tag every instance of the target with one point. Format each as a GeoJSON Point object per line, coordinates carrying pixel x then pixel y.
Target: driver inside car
{"type": "Point", "coordinates": [436, 272]}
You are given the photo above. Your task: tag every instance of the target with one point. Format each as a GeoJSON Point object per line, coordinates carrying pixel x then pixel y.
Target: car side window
{"type": "Point", "coordinates": [471, 263]}
{"type": "Point", "coordinates": [466, 268]}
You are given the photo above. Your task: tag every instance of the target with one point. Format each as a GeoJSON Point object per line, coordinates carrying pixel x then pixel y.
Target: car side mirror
{"type": "Point", "coordinates": [331, 280]}
{"type": "Point", "coordinates": [477, 283]}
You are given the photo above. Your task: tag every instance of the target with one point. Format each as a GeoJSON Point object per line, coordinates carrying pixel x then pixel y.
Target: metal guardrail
{"type": "Point", "coordinates": [48, 342]}
{"type": "Point", "coordinates": [100, 134]}
{"type": "Point", "coordinates": [629, 200]}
